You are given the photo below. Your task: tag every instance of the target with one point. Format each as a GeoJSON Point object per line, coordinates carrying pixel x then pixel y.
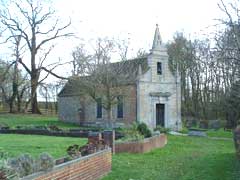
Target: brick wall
{"type": "Point", "coordinates": [89, 167]}
{"type": "Point", "coordinates": [145, 145]}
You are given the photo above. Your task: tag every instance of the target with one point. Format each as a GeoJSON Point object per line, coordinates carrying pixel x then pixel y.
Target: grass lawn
{"type": "Point", "coordinates": [33, 144]}
{"type": "Point", "coordinates": [14, 120]}
{"type": "Point", "coordinates": [220, 133]}
{"type": "Point", "coordinates": [183, 158]}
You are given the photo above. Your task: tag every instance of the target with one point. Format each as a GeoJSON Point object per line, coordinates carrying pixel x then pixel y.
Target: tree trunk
{"type": "Point", "coordinates": [34, 103]}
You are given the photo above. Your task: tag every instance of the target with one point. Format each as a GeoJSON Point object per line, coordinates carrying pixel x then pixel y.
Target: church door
{"type": "Point", "coordinates": [160, 108]}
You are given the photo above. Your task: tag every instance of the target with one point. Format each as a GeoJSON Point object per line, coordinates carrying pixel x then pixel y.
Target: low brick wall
{"type": "Point", "coordinates": [93, 166]}
{"type": "Point", "coordinates": [142, 146]}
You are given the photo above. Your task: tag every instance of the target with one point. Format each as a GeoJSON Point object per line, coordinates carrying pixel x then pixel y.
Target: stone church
{"type": "Point", "coordinates": [153, 96]}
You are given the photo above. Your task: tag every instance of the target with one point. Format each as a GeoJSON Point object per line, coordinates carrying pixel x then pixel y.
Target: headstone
{"type": "Point", "coordinates": [203, 124]}
{"type": "Point", "coordinates": [214, 124]}
{"type": "Point", "coordinates": [197, 133]}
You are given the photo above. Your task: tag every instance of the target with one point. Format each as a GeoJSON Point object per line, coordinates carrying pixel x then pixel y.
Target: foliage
{"type": "Point", "coordinates": [54, 128]}
{"type": "Point", "coordinates": [183, 158]}
{"type": "Point", "coordinates": [144, 130]}
{"type": "Point", "coordinates": [73, 151]}
{"type": "Point", "coordinates": [23, 165]}
{"type": "Point", "coordinates": [233, 106]}
{"type": "Point", "coordinates": [132, 134]}
{"type": "Point", "coordinates": [162, 129]}
{"type": "Point", "coordinates": [184, 130]}
{"type": "Point", "coordinates": [45, 161]}
{"type": "Point", "coordinates": [6, 172]}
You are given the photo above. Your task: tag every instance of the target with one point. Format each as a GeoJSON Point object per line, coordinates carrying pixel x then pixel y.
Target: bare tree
{"type": "Point", "coordinates": [37, 28]}
{"type": "Point", "coordinates": [102, 78]}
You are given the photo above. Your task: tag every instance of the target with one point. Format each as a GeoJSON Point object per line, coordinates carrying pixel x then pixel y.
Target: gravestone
{"type": "Point", "coordinates": [199, 133]}
{"type": "Point", "coordinates": [214, 124]}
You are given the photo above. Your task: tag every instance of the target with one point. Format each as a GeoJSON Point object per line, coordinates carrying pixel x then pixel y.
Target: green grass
{"type": "Point", "coordinates": [220, 133]}
{"type": "Point", "coordinates": [15, 145]}
{"type": "Point", "coordinates": [14, 120]}
{"type": "Point", "coordinates": [183, 158]}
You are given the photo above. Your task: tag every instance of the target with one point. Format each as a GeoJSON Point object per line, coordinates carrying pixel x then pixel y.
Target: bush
{"type": "Point", "coordinates": [144, 130]}
{"type": "Point", "coordinates": [54, 128]}
{"type": "Point", "coordinates": [23, 165]}
{"type": "Point", "coordinates": [6, 172]}
{"type": "Point", "coordinates": [132, 134]}
{"type": "Point", "coordinates": [73, 151]}
{"type": "Point", "coordinates": [162, 129]}
{"type": "Point", "coordinates": [45, 161]}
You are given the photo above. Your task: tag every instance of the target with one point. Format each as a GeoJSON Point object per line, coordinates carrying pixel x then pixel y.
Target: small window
{"type": "Point", "coordinates": [119, 107]}
{"type": "Point", "coordinates": [159, 68]}
{"type": "Point", "coordinates": [99, 108]}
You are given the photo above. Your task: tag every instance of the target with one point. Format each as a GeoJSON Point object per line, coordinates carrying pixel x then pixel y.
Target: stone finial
{"type": "Point", "coordinates": [157, 41]}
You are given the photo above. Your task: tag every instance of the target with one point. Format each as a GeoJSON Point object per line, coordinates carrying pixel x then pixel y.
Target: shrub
{"type": "Point", "coordinates": [54, 128]}
{"type": "Point", "coordinates": [6, 172]}
{"type": "Point", "coordinates": [144, 130]}
{"type": "Point", "coordinates": [23, 165]}
{"type": "Point", "coordinates": [4, 126]}
{"type": "Point", "coordinates": [162, 129]}
{"type": "Point", "coordinates": [73, 151]}
{"type": "Point", "coordinates": [45, 162]}
{"type": "Point", "coordinates": [132, 134]}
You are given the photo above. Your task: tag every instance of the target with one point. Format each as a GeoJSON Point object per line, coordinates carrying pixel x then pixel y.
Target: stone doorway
{"type": "Point", "coordinates": [160, 114]}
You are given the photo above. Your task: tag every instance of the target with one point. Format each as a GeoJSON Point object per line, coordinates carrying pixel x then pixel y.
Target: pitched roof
{"type": "Point", "coordinates": [127, 71]}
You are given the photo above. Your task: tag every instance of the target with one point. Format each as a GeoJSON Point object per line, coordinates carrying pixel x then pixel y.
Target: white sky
{"type": "Point", "coordinates": [131, 19]}
{"type": "Point", "coordinates": [134, 19]}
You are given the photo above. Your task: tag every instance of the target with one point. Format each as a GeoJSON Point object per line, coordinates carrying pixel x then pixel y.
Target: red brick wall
{"type": "Point", "coordinates": [142, 146]}
{"type": "Point", "coordinates": [89, 167]}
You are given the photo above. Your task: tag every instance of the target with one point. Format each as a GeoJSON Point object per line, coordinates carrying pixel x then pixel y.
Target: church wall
{"type": "Point", "coordinates": [151, 82]}
{"type": "Point", "coordinates": [69, 109]}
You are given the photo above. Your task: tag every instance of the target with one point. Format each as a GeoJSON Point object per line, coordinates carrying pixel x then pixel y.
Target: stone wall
{"type": "Point", "coordinates": [143, 146]}
{"type": "Point", "coordinates": [150, 83]}
{"type": "Point", "coordinates": [69, 109]}
{"type": "Point", "coordinates": [92, 167]}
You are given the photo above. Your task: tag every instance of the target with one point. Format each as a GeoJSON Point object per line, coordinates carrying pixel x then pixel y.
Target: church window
{"type": "Point", "coordinates": [120, 106]}
{"type": "Point", "coordinates": [159, 68]}
{"type": "Point", "coordinates": [99, 108]}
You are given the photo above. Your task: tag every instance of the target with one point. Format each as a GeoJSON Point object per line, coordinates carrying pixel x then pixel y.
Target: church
{"type": "Point", "coordinates": [153, 96]}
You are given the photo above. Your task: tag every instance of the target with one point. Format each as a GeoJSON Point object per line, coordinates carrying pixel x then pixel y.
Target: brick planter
{"type": "Point", "coordinates": [93, 166]}
{"type": "Point", "coordinates": [236, 135]}
{"type": "Point", "coordinates": [141, 146]}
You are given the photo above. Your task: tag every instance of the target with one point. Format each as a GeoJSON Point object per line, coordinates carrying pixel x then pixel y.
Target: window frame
{"type": "Point", "coordinates": [159, 68]}
{"type": "Point", "coordinates": [99, 108]}
{"type": "Point", "coordinates": [120, 107]}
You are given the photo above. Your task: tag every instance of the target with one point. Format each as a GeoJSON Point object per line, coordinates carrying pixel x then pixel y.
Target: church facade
{"type": "Point", "coordinates": [153, 97]}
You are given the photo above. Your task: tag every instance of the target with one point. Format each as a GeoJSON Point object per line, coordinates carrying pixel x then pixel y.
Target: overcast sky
{"type": "Point", "coordinates": [135, 20]}
{"type": "Point", "coordinates": [131, 19]}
